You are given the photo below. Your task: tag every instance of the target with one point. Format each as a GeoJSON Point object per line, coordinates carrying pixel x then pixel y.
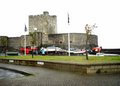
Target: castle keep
{"type": "Point", "coordinates": [44, 23]}
{"type": "Point", "coordinates": [46, 35]}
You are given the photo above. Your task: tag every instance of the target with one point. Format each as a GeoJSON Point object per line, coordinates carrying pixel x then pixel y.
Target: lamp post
{"type": "Point", "coordinates": [35, 31]}
{"type": "Point", "coordinates": [33, 40]}
{"type": "Point", "coordinates": [41, 37]}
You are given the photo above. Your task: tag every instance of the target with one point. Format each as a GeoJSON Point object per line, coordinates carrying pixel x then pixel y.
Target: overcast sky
{"type": "Point", "coordinates": [105, 13]}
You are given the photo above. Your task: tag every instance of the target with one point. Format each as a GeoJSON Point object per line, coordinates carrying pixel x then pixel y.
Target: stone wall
{"type": "Point", "coordinates": [77, 40]}
{"type": "Point", "coordinates": [28, 40]}
{"type": "Point", "coordinates": [3, 40]}
{"type": "Point", "coordinates": [46, 34]}
{"type": "Point", "coordinates": [3, 43]}
{"type": "Point", "coordinates": [14, 42]}
{"type": "Point", "coordinates": [91, 68]}
{"type": "Point", "coordinates": [44, 23]}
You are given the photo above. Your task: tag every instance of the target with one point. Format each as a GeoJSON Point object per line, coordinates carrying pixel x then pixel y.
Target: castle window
{"type": "Point", "coordinates": [60, 42]}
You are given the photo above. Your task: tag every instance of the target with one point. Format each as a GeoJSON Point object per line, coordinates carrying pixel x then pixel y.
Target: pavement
{"type": "Point", "coordinates": [49, 77]}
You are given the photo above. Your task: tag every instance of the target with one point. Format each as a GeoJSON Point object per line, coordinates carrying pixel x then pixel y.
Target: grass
{"type": "Point", "coordinates": [78, 59]}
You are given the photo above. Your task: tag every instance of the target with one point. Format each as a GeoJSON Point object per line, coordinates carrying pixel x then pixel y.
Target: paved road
{"type": "Point", "coordinates": [9, 74]}
{"type": "Point", "coordinates": [48, 77]}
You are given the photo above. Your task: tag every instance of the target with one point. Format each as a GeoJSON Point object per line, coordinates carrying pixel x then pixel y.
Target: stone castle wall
{"type": "Point", "coordinates": [77, 40]}
{"type": "Point", "coordinates": [44, 23]}
{"type": "Point", "coordinates": [46, 34]}
{"type": "Point", "coordinates": [3, 43]}
{"type": "Point", "coordinates": [14, 42]}
{"type": "Point", "coordinates": [3, 40]}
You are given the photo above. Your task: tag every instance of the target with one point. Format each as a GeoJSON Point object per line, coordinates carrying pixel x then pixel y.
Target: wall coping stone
{"type": "Point", "coordinates": [71, 63]}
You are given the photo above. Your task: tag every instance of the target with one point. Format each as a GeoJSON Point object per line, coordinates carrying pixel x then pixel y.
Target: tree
{"type": "Point", "coordinates": [88, 30]}
{"type": "Point", "coordinates": [33, 41]}
{"type": "Point", "coordinates": [4, 43]}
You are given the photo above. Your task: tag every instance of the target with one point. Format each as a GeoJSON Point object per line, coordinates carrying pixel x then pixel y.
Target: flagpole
{"type": "Point", "coordinates": [25, 41]}
{"type": "Point", "coordinates": [68, 37]}
{"type": "Point", "coordinates": [25, 44]}
{"type": "Point", "coordinates": [68, 43]}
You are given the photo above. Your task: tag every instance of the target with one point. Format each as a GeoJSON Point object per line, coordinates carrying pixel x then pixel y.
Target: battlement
{"type": "Point", "coordinates": [46, 13]}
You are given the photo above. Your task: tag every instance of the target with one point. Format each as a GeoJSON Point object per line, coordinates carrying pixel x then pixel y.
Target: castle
{"type": "Point", "coordinates": [45, 28]}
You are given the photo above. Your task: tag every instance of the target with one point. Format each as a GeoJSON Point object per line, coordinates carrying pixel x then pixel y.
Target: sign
{"type": "Point", "coordinates": [11, 61]}
{"type": "Point", "coordinates": [41, 63]}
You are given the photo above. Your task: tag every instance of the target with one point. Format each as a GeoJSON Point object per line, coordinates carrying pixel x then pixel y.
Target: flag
{"type": "Point", "coordinates": [68, 19]}
{"type": "Point", "coordinates": [25, 28]}
{"type": "Point", "coordinates": [94, 26]}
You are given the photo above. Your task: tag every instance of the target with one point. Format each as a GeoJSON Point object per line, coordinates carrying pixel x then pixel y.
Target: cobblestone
{"type": "Point", "coordinates": [49, 77]}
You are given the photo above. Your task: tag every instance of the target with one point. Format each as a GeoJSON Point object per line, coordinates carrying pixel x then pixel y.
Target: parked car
{"type": "Point", "coordinates": [28, 49]}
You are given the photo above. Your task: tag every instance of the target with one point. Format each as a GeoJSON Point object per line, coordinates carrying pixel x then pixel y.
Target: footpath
{"type": "Point", "coordinates": [49, 77]}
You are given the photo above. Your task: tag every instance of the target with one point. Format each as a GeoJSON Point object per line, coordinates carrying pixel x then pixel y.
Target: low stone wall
{"type": "Point", "coordinates": [72, 67]}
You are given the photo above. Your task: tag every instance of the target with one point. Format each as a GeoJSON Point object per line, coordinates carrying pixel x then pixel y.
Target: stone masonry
{"type": "Point", "coordinates": [44, 23]}
{"type": "Point", "coordinates": [46, 35]}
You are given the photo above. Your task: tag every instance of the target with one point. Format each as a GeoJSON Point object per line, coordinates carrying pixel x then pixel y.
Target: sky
{"type": "Point", "coordinates": [105, 13]}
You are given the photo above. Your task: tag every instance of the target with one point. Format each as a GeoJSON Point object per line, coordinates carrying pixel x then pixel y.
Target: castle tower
{"type": "Point", "coordinates": [44, 23]}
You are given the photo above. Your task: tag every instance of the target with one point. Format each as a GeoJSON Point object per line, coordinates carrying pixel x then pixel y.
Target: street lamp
{"type": "Point", "coordinates": [35, 29]}
{"type": "Point", "coordinates": [33, 39]}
